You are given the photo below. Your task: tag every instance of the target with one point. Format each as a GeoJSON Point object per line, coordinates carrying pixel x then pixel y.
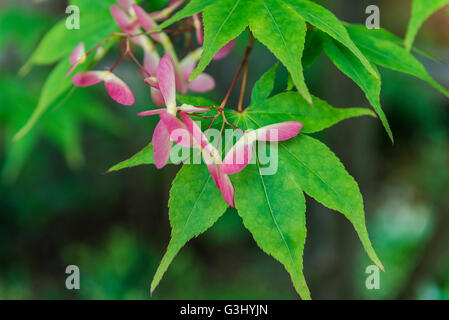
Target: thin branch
{"type": "Point", "coordinates": [248, 50]}
{"type": "Point", "coordinates": [243, 87]}
{"type": "Point", "coordinates": [127, 51]}
{"type": "Point", "coordinates": [175, 31]}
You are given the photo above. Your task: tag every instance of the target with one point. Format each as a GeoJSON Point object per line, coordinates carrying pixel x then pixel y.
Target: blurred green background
{"type": "Point", "coordinates": [58, 207]}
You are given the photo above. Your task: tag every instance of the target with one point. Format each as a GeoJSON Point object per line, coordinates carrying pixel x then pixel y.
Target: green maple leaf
{"type": "Point", "coordinates": [320, 174]}
{"type": "Point", "coordinates": [384, 49]}
{"type": "Point", "coordinates": [273, 23]}
{"type": "Point", "coordinates": [272, 206]}
{"type": "Point", "coordinates": [223, 22]}
{"type": "Point", "coordinates": [351, 66]}
{"type": "Point", "coordinates": [195, 205]}
{"type": "Point", "coordinates": [289, 106]}
{"type": "Point", "coordinates": [273, 209]}
{"type": "Point", "coordinates": [283, 32]}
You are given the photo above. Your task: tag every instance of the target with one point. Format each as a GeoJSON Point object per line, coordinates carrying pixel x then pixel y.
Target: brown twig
{"type": "Point", "coordinates": [248, 50]}
{"type": "Point", "coordinates": [114, 34]}
{"type": "Point", "coordinates": [175, 31]}
{"type": "Point", "coordinates": [127, 51]}
{"type": "Point", "coordinates": [243, 87]}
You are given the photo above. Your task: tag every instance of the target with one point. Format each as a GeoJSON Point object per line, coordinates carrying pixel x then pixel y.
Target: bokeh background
{"type": "Point", "coordinates": [58, 207]}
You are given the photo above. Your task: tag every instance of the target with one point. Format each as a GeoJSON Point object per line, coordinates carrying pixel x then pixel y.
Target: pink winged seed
{"type": "Point", "coordinates": [89, 78]}
{"type": "Point", "coordinates": [199, 29]}
{"type": "Point", "coordinates": [214, 165]}
{"type": "Point", "coordinates": [166, 78]}
{"type": "Point", "coordinates": [152, 112]}
{"type": "Point", "coordinates": [78, 53]}
{"type": "Point", "coordinates": [151, 61]}
{"type": "Point", "coordinates": [146, 22]}
{"type": "Point", "coordinates": [126, 4]}
{"type": "Point", "coordinates": [118, 90]}
{"type": "Point", "coordinates": [195, 131]}
{"type": "Point", "coordinates": [225, 51]}
{"type": "Point", "coordinates": [177, 129]}
{"type": "Point", "coordinates": [238, 158]}
{"type": "Point", "coordinates": [240, 154]}
{"type": "Point", "coordinates": [279, 132]}
{"type": "Point", "coordinates": [223, 183]}
{"type": "Point", "coordinates": [161, 145]}
{"type": "Point", "coordinates": [122, 19]}
{"type": "Point", "coordinates": [202, 83]}
{"type": "Point", "coordinates": [157, 97]}
{"type": "Point", "coordinates": [151, 82]}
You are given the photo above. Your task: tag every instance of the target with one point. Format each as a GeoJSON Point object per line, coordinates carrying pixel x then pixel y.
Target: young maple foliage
{"type": "Point", "coordinates": [272, 206]}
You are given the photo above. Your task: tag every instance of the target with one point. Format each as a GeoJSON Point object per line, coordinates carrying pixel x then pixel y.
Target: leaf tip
{"type": "Point", "coordinates": [25, 69]}
{"type": "Point", "coordinates": [193, 75]}
{"type": "Point", "coordinates": [19, 135]}
{"type": "Point", "coordinates": [375, 259]}
{"type": "Point", "coordinates": [152, 288]}
{"type": "Point", "coordinates": [375, 74]}
{"type": "Point", "coordinates": [408, 45]}
{"type": "Point", "coordinates": [307, 96]}
{"type": "Point", "coordinates": [112, 169]}
{"type": "Point", "coordinates": [390, 135]}
{"type": "Point", "coordinates": [311, 102]}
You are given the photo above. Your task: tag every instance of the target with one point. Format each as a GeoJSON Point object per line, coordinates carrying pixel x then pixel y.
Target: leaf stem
{"type": "Point", "coordinates": [127, 51]}
{"type": "Point", "coordinates": [243, 87]}
{"type": "Point", "coordinates": [175, 31]}
{"type": "Point", "coordinates": [248, 50]}
{"type": "Point", "coordinates": [114, 34]}
{"type": "Point", "coordinates": [141, 67]}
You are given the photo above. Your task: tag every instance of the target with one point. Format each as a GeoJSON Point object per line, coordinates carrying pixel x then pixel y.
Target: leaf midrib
{"type": "Point", "coordinates": [272, 213]}
{"type": "Point", "coordinates": [196, 201]}
{"type": "Point", "coordinates": [279, 31]}
{"type": "Point", "coordinates": [360, 81]}
{"type": "Point", "coordinates": [194, 206]}
{"type": "Point", "coordinates": [273, 217]}
{"type": "Point", "coordinates": [290, 54]}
